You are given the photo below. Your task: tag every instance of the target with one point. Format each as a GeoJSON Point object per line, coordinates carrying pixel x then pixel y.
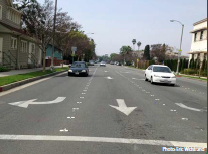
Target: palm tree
{"type": "Point", "coordinates": [134, 42]}
{"type": "Point", "coordinates": [139, 44]}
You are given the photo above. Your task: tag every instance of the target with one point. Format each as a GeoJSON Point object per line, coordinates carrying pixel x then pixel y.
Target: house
{"type": "Point", "coordinates": [17, 49]}
{"type": "Point", "coordinates": [58, 56]}
{"type": "Point", "coordinates": [57, 52]}
{"type": "Point", "coordinates": [199, 41]}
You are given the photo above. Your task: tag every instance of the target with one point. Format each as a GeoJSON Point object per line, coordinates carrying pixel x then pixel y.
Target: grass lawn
{"type": "Point", "coordinates": [192, 77]}
{"type": "Point", "coordinates": [14, 78]}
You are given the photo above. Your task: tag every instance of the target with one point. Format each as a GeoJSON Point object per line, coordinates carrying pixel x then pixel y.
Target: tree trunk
{"type": "Point", "coordinates": [44, 62]}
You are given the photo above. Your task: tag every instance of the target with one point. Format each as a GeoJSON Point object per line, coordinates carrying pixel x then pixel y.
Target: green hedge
{"type": "Point", "coordinates": [4, 69]}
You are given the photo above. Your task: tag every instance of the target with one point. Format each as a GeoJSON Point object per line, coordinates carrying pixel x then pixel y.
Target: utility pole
{"type": "Point", "coordinates": [54, 28]}
{"type": "Point", "coordinates": [180, 51]}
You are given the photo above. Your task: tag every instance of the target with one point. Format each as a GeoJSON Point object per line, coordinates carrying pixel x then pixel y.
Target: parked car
{"type": "Point", "coordinates": [160, 74]}
{"type": "Point", "coordinates": [103, 63]}
{"type": "Point", "coordinates": [112, 63]}
{"type": "Point", "coordinates": [91, 63]}
{"type": "Point", "coordinates": [78, 69]}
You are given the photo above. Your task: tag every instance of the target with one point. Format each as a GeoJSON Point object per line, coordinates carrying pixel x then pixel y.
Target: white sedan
{"type": "Point", "coordinates": [160, 74]}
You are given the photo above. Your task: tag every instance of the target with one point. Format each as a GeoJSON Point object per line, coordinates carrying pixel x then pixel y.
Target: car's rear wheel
{"type": "Point", "coordinates": [69, 74]}
{"type": "Point", "coordinates": [86, 74]}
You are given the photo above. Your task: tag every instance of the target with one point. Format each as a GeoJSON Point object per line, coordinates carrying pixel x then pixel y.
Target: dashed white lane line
{"type": "Point", "coordinates": [63, 130]}
{"type": "Point", "coordinates": [70, 117]}
{"type": "Point", "coordinates": [184, 119]}
{"type": "Point", "coordinates": [79, 102]}
{"type": "Point", "coordinates": [101, 140]}
{"type": "Point", "coordinates": [83, 93]}
{"type": "Point", "coordinates": [82, 97]}
{"type": "Point", "coordinates": [85, 90]}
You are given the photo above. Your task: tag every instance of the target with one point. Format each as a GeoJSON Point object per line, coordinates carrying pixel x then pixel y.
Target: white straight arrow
{"type": "Point", "coordinates": [24, 104]}
{"type": "Point", "coordinates": [122, 107]}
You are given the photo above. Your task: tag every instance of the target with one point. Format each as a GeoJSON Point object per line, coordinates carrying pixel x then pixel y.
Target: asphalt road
{"type": "Point", "coordinates": [80, 115]}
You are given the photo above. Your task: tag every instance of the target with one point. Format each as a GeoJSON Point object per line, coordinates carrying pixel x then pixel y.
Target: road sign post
{"type": "Point", "coordinates": [73, 49]}
{"type": "Point", "coordinates": [137, 62]}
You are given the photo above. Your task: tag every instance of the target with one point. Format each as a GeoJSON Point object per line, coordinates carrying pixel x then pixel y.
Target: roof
{"type": "Point", "coordinates": [199, 22]}
{"type": "Point", "coordinates": [196, 52]}
{"type": "Point", "coordinates": [14, 29]}
{"type": "Point", "coordinates": [199, 29]}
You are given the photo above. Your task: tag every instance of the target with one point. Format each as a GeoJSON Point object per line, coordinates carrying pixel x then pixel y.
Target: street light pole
{"type": "Point", "coordinates": [180, 51]}
{"type": "Point", "coordinates": [54, 27]}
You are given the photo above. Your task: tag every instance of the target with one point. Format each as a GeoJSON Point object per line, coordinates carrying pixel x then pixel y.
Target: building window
{"type": "Point", "coordinates": [33, 48]}
{"type": "Point", "coordinates": [195, 37]}
{"type": "Point", "coordinates": [13, 16]}
{"type": "Point", "coordinates": [1, 12]}
{"type": "Point", "coordinates": [201, 35]}
{"type": "Point", "coordinates": [23, 46]}
{"type": "Point", "coordinates": [13, 43]}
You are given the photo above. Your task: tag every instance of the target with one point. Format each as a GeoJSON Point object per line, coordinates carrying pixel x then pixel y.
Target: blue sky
{"type": "Point", "coordinates": [117, 22]}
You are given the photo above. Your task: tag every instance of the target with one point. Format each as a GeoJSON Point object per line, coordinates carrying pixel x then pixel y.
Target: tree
{"type": "Point", "coordinates": [139, 44]}
{"type": "Point", "coordinates": [159, 51]}
{"type": "Point", "coordinates": [124, 49]}
{"type": "Point", "coordinates": [147, 52]}
{"type": "Point", "coordinates": [134, 42]}
{"type": "Point", "coordinates": [112, 55]}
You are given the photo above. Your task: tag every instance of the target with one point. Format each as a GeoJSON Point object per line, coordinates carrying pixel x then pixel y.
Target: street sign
{"type": "Point", "coordinates": [73, 49]}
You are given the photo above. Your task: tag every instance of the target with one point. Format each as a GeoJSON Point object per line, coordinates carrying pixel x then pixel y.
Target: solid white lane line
{"type": "Point", "coordinates": [189, 108]}
{"type": "Point", "coordinates": [101, 139]}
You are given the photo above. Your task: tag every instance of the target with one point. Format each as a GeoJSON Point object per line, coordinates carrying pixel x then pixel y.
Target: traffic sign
{"type": "Point", "coordinates": [137, 60]}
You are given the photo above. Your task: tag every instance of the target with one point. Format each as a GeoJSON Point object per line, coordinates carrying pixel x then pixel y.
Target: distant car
{"type": "Point", "coordinates": [103, 63]}
{"type": "Point", "coordinates": [111, 63]}
{"type": "Point", "coordinates": [160, 74]}
{"type": "Point", "coordinates": [78, 69]}
{"type": "Point", "coordinates": [91, 63]}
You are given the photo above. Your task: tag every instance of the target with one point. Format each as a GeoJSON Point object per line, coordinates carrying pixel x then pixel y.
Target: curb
{"type": "Point", "coordinates": [20, 83]}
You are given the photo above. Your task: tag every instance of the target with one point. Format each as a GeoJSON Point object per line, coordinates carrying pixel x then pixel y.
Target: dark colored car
{"type": "Point", "coordinates": [79, 62]}
{"type": "Point", "coordinates": [78, 69]}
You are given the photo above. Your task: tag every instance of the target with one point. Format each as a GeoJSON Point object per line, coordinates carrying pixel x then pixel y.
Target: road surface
{"type": "Point", "coordinates": [113, 111]}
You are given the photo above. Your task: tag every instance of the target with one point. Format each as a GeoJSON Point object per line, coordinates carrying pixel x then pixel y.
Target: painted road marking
{"type": "Point", "coordinates": [84, 90]}
{"type": "Point", "coordinates": [70, 117]}
{"type": "Point", "coordinates": [79, 102]}
{"type": "Point", "coordinates": [188, 108]}
{"type": "Point", "coordinates": [122, 107]}
{"type": "Point", "coordinates": [138, 79]}
{"type": "Point", "coordinates": [64, 130]}
{"type": "Point", "coordinates": [83, 93]}
{"type": "Point", "coordinates": [82, 97]}
{"type": "Point", "coordinates": [184, 118]}
{"type": "Point", "coordinates": [109, 78]}
{"type": "Point", "coordinates": [101, 140]}
{"type": "Point", "coordinates": [25, 104]}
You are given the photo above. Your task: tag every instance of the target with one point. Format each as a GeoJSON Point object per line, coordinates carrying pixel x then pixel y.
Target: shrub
{"type": "Point", "coordinates": [190, 71]}
{"type": "Point", "coordinates": [3, 69]}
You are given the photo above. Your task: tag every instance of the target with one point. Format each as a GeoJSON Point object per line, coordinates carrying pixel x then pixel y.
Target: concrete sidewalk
{"type": "Point", "coordinates": [23, 71]}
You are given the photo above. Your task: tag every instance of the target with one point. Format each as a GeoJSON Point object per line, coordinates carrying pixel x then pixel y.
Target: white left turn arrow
{"type": "Point", "coordinates": [122, 107]}
{"type": "Point", "coordinates": [24, 104]}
